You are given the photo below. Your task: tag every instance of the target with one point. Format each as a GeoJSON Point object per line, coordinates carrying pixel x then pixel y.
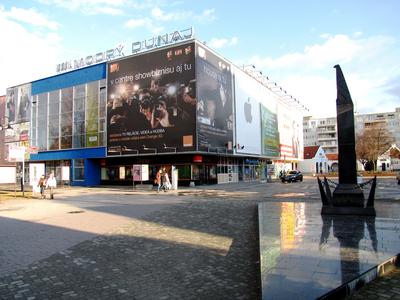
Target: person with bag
{"type": "Point", "coordinates": [52, 184]}
{"type": "Point", "coordinates": [41, 185]}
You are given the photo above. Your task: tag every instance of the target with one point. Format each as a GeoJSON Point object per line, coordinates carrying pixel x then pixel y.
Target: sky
{"type": "Point", "coordinates": [295, 43]}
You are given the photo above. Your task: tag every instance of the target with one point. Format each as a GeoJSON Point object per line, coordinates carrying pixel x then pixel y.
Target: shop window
{"type": "Point", "coordinates": [66, 142]}
{"type": "Point", "coordinates": [78, 141]}
{"type": "Point", "coordinates": [183, 172]}
{"type": "Point", "coordinates": [79, 170]}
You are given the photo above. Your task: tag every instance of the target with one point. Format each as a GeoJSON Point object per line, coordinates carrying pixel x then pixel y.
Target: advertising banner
{"type": "Point", "coordinates": [151, 102]}
{"type": "Point", "coordinates": [18, 107]}
{"type": "Point", "coordinates": [215, 105]}
{"type": "Point", "coordinates": [35, 171]}
{"type": "Point", "coordinates": [270, 134]}
{"type": "Point", "coordinates": [140, 172]}
{"type": "Point", "coordinates": [248, 96]}
{"type": "Point", "coordinates": [8, 174]}
{"type": "Point", "coordinates": [290, 133]}
{"type": "Point", "coordinates": [65, 173]}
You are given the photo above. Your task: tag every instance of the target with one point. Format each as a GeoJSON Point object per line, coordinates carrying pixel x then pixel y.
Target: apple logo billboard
{"type": "Point", "coordinates": [247, 111]}
{"type": "Point", "coordinates": [248, 125]}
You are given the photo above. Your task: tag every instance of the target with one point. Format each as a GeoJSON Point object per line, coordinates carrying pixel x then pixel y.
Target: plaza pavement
{"type": "Point", "coordinates": [119, 243]}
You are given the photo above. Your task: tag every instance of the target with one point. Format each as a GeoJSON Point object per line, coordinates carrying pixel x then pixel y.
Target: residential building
{"type": "Point", "coordinates": [320, 132]}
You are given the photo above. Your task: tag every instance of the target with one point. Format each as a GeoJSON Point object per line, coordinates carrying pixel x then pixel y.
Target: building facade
{"type": "Point", "coordinates": [323, 131]}
{"type": "Point", "coordinates": [179, 108]}
{"type": "Point", "coordinates": [320, 132]}
{"type": "Point", "coordinates": [389, 120]}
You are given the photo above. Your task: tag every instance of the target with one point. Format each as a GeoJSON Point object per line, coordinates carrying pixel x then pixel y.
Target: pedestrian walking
{"type": "Point", "coordinates": [52, 184]}
{"type": "Point", "coordinates": [166, 184]}
{"type": "Point", "coordinates": [158, 180]}
{"type": "Point", "coordinates": [42, 185]}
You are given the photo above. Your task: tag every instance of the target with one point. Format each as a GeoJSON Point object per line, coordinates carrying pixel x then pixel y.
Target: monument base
{"type": "Point", "coordinates": [348, 195]}
{"type": "Point", "coordinates": [348, 210]}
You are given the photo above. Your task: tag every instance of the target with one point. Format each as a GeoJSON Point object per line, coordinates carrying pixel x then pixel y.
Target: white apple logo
{"type": "Point", "coordinates": [247, 111]}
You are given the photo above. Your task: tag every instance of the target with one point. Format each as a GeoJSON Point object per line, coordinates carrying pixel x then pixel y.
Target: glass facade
{"type": "Point", "coordinates": [69, 118]}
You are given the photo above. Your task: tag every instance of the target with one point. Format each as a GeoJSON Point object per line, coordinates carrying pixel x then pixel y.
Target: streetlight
{"type": "Point", "coordinates": [151, 149]}
{"type": "Point", "coordinates": [171, 148]}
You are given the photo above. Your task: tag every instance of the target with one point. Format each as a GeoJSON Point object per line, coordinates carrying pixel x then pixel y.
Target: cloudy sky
{"type": "Point", "coordinates": [295, 43]}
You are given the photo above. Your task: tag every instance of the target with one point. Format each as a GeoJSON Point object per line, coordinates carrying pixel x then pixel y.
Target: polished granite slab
{"type": "Point", "coordinates": [305, 255]}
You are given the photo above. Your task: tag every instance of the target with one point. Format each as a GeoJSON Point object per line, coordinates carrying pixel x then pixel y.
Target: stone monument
{"type": "Point", "coordinates": [348, 196]}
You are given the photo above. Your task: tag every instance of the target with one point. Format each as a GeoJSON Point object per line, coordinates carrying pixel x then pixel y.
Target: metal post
{"type": "Point", "coordinates": [23, 176]}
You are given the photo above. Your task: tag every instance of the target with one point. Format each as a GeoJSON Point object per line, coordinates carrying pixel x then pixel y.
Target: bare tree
{"type": "Point", "coordinates": [374, 140]}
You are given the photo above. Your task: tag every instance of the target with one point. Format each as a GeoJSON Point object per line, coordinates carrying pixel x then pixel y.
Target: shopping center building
{"type": "Point", "coordinates": [181, 108]}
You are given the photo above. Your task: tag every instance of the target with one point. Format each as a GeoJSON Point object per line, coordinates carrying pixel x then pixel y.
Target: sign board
{"type": "Point", "coordinates": [119, 51]}
{"type": "Point", "coordinates": [140, 172]}
{"type": "Point", "coordinates": [16, 153]}
{"type": "Point", "coordinates": [65, 173]}
{"type": "Point", "coordinates": [121, 172]}
{"type": "Point", "coordinates": [35, 171]}
{"type": "Point", "coordinates": [137, 172]}
{"type": "Point", "coordinates": [33, 150]}
{"type": "Point", "coordinates": [8, 174]}
{"type": "Point", "coordinates": [145, 172]}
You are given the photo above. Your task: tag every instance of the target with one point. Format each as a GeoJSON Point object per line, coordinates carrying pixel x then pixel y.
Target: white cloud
{"type": "Point", "coordinates": [160, 15]}
{"type": "Point", "coordinates": [107, 11]}
{"type": "Point", "coordinates": [136, 23]}
{"type": "Point", "coordinates": [208, 15]}
{"type": "Point", "coordinates": [145, 23]}
{"type": "Point", "coordinates": [367, 64]}
{"type": "Point", "coordinates": [32, 17]}
{"type": "Point", "coordinates": [28, 56]}
{"type": "Point", "coordinates": [91, 7]}
{"type": "Point", "coordinates": [224, 42]}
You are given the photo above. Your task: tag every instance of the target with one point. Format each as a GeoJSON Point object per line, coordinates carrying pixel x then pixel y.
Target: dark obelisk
{"type": "Point", "coordinates": [345, 131]}
{"type": "Point", "coordinates": [348, 196]}
{"type": "Point", "coordinates": [347, 193]}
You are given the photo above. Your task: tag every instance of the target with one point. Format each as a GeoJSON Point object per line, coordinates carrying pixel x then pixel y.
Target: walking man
{"type": "Point", "coordinates": [52, 184]}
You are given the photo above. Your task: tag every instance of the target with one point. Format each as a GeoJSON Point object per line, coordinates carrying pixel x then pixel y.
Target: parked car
{"type": "Point", "coordinates": [398, 178]}
{"type": "Point", "coordinates": [292, 176]}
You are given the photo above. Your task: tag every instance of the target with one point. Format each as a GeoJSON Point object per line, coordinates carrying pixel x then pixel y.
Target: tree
{"type": "Point", "coordinates": [374, 140]}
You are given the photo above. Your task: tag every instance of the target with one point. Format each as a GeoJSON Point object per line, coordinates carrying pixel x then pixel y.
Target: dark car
{"type": "Point", "coordinates": [398, 178]}
{"type": "Point", "coordinates": [292, 176]}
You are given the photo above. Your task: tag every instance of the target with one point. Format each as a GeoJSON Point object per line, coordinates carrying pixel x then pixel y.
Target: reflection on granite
{"type": "Point", "coordinates": [305, 255]}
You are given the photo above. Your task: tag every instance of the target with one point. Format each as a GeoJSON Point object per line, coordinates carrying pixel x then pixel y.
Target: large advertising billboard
{"type": "Point", "coordinates": [269, 132]}
{"type": "Point", "coordinates": [248, 96]}
{"type": "Point", "coordinates": [151, 102]}
{"type": "Point", "coordinates": [290, 133]}
{"type": "Point", "coordinates": [215, 105]}
{"type": "Point", "coordinates": [18, 104]}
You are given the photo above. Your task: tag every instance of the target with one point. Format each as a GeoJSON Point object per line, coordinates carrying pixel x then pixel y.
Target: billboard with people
{"type": "Point", "coordinates": [215, 107]}
{"type": "Point", "coordinates": [151, 102]}
{"type": "Point", "coordinates": [18, 104]}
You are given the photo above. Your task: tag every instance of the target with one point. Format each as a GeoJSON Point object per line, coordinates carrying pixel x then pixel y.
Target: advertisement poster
{"type": "Point", "coordinates": [215, 105]}
{"type": "Point", "coordinates": [8, 175]}
{"type": "Point", "coordinates": [65, 173]}
{"type": "Point", "coordinates": [151, 102]}
{"type": "Point", "coordinates": [248, 96]}
{"type": "Point", "coordinates": [270, 134]}
{"type": "Point", "coordinates": [140, 172]}
{"type": "Point", "coordinates": [35, 171]}
{"type": "Point", "coordinates": [290, 133]}
{"type": "Point", "coordinates": [18, 104]}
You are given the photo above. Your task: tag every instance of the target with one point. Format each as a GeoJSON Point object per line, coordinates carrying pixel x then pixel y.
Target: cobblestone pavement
{"type": "Point", "coordinates": [385, 287]}
{"type": "Point", "coordinates": [204, 246]}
